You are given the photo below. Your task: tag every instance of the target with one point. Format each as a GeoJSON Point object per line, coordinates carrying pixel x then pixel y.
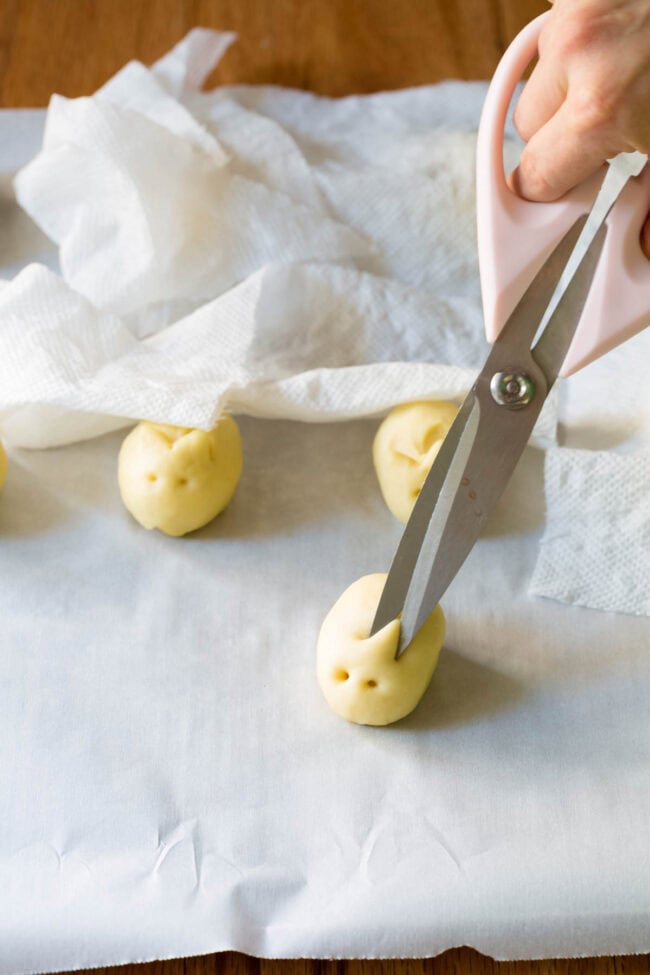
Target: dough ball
{"type": "Point", "coordinates": [404, 449]}
{"type": "Point", "coordinates": [178, 479]}
{"type": "Point", "coordinates": [3, 465]}
{"type": "Point", "coordinates": [358, 675]}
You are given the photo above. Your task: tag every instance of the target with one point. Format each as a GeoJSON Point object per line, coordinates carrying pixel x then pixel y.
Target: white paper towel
{"type": "Point", "coordinates": [304, 342]}
{"type": "Point", "coordinates": [596, 548]}
{"type": "Point", "coordinates": [143, 215]}
{"type": "Point", "coordinates": [156, 208]}
{"type": "Point", "coordinates": [595, 551]}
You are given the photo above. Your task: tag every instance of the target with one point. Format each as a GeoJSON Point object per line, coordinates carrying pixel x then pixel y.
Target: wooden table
{"type": "Point", "coordinates": [334, 47]}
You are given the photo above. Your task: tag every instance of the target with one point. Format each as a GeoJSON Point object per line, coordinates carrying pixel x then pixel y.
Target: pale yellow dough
{"type": "Point", "coordinates": [359, 676]}
{"type": "Point", "coordinates": [3, 465]}
{"type": "Point", "coordinates": [405, 447]}
{"type": "Point", "coordinates": [178, 479]}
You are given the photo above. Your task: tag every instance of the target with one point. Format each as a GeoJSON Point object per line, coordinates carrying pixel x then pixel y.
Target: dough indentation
{"type": "Point", "coordinates": [405, 446]}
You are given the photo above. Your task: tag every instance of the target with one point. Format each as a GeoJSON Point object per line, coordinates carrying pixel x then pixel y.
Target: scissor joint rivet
{"type": "Point", "coordinates": [514, 390]}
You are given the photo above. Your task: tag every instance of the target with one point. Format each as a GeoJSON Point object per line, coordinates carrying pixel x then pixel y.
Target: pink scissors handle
{"type": "Point", "coordinates": [516, 236]}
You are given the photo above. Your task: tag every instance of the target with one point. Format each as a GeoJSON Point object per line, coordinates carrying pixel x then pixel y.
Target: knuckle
{"type": "Point", "coordinates": [575, 34]}
{"type": "Point", "coordinates": [592, 108]}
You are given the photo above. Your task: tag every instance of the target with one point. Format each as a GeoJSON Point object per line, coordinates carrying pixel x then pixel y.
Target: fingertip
{"type": "Point", "coordinates": [512, 182]}
{"type": "Point", "coordinates": [529, 183]}
{"type": "Point", "coordinates": [525, 188]}
{"type": "Point", "coordinates": [523, 130]}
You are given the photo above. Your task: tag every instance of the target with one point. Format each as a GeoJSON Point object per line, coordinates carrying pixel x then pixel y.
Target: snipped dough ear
{"type": "Point", "coordinates": [405, 446]}
{"type": "Point", "coordinates": [177, 479]}
{"type": "Point", "coordinates": [358, 674]}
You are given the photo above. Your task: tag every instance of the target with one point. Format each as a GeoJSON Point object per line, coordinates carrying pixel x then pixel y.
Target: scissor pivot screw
{"type": "Point", "coordinates": [514, 390]}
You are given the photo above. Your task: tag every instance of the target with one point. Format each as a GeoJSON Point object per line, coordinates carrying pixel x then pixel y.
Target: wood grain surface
{"type": "Point", "coordinates": [330, 46]}
{"type": "Point", "coordinates": [334, 47]}
{"type": "Point", "coordinates": [459, 961]}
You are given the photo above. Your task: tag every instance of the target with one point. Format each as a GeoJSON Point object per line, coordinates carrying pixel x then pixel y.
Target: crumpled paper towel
{"type": "Point", "coordinates": [146, 208]}
{"type": "Point", "coordinates": [302, 341]}
{"type": "Point", "coordinates": [204, 227]}
{"type": "Point", "coordinates": [156, 202]}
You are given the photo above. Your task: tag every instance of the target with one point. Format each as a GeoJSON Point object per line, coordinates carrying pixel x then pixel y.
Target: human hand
{"type": "Point", "coordinates": [588, 97]}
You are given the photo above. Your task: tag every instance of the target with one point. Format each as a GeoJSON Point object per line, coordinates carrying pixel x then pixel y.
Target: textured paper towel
{"type": "Point", "coordinates": [596, 548]}
{"type": "Point", "coordinates": [304, 341]}
{"type": "Point", "coordinates": [595, 551]}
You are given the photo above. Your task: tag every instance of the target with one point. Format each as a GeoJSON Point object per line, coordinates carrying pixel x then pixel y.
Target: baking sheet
{"type": "Point", "coordinates": [173, 782]}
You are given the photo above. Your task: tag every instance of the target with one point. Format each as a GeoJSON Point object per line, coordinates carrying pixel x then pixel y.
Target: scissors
{"type": "Point", "coordinates": [562, 283]}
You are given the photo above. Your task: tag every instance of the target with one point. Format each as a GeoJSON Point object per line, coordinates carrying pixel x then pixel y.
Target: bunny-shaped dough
{"type": "Point", "coordinates": [405, 447]}
{"type": "Point", "coordinates": [178, 479]}
{"type": "Point", "coordinates": [359, 676]}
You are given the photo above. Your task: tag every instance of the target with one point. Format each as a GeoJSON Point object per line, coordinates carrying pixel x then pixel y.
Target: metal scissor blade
{"type": "Point", "coordinates": [397, 585]}
{"type": "Point", "coordinates": [498, 442]}
{"type": "Point", "coordinates": [480, 452]}
{"type": "Point", "coordinates": [500, 439]}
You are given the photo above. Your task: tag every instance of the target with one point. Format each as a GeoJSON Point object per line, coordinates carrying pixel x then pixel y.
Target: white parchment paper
{"type": "Point", "coordinates": [173, 782]}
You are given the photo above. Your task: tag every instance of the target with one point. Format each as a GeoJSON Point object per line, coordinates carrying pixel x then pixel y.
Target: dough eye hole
{"type": "Point", "coordinates": [341, 675]}
{"type": "Point", "coordinates": [182, 481]}
{"type": "Point", "coordinates": [152, 477]}
{"type": "Point", "coordinates": [371, 683]}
